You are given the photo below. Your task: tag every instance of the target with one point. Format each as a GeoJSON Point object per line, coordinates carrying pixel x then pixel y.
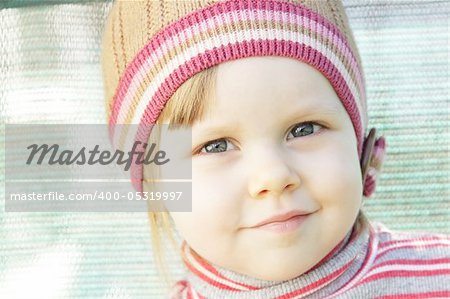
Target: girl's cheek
{"type": "Point", "coordinates": [217, 196]}
{"type": "Point", "coordinates": [211, 194]}
{"type": "Point", "coordinates": [330, 172]}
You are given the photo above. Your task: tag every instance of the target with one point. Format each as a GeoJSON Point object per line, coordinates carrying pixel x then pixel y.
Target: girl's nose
{"type": "Point", "coordinates": [271, 174]}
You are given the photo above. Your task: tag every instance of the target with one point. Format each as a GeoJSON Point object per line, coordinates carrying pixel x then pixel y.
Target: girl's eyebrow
{"type": "Point", "coordinates": [321, 109]}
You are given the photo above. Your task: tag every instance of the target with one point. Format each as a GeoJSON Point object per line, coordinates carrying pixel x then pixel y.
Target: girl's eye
{"type": "Point", "coordinates": [304, 129]}
{"type": "Point", "coordinates": [216, 146]}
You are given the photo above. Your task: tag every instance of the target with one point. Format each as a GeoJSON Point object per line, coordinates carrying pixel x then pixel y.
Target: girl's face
{"type": "Point", "coordinates": [277, 139]}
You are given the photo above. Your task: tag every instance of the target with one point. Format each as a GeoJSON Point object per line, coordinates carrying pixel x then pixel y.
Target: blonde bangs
{"type": "Point", "coordinates": [191, 100]}
{"type": "Point", "coordinates": [190, 103]}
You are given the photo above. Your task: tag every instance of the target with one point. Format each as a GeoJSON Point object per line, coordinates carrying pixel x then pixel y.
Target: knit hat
{"type": "Point", "coordinates": [151, 47]}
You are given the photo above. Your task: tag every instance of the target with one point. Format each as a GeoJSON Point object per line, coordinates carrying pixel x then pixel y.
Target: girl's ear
{"type": "Point", "coordinates": [368, 144]}
{"type": "Point", "coordinates": [371, 161]}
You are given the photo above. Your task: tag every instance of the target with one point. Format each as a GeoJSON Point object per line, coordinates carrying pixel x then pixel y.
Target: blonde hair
{"type": "Point", "coordinates": [189, 103]}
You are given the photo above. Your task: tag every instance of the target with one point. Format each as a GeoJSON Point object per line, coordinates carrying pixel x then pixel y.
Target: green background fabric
{"type": "Point", "coordinates": [50, 73]}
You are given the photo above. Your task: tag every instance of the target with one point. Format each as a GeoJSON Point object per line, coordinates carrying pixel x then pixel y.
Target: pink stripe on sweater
{"type": "Point", "coordinates": [404, 273]}
{"type": "Point", "coordinates": [189, 293]}
{"type": "Point", "coordinates": [372, 249]}
{"type": "Point", "coordinates": [424, 239]}
{"type": "Point", "coordinates": [339, 246]}
{"type": "Point", "coordinates": [412, 262]}
{"type": "Point", "coordinates": [209, 280]}
{"type": "Point", "coordinates": [214, 272]}
{"type": "Point", "coordinates": [178, 289]}
{"type": "Point", "coordinates": [317, 284]}
{"type": "Point", "coordinates": [411, 246]}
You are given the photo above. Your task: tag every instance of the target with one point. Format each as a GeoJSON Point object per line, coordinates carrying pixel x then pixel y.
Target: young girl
{"type": "Point", "coordinates": [274, 94]}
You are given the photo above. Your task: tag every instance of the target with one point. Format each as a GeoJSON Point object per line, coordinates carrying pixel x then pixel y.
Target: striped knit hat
{"type": "Point", "coordinates": [151, 47]}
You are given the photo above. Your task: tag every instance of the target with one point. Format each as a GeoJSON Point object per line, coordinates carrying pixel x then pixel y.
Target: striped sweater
{"type": "Point", "coordinates": [372, 263]}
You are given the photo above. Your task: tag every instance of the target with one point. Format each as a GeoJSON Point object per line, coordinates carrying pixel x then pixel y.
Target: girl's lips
{"type": "Point", "coordinates": [282, 217]}
{"type": "Point", "coordinates": [285, 226]}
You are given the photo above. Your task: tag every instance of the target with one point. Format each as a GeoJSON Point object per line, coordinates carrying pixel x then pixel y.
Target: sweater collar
{"type": "Point", "coordinates": [336, 270]}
